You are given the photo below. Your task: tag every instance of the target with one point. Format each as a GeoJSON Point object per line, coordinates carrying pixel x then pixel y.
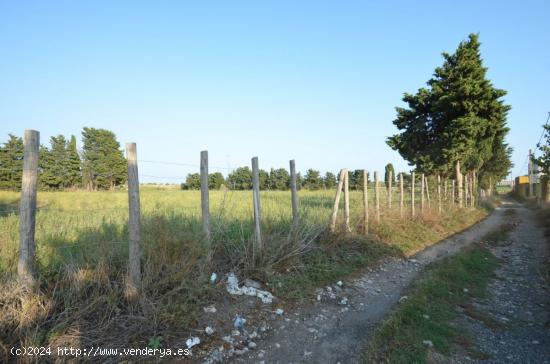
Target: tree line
{"type": "Point", "coordinates": [99, 165]}
{"type": "Point", "coordinates": [279, 179]}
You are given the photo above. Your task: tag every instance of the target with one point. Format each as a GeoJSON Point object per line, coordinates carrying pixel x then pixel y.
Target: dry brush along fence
{"type": "Point", "coordinates": [419, 193]}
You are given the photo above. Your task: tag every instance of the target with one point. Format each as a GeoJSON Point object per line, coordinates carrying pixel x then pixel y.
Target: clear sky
{"type": "Point", "coordinates": [312, 80]}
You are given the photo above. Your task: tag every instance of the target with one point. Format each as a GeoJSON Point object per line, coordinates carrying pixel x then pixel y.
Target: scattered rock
{"type": "Point", "coordinates": [208, 330]}
{"type": "Point", "coordinates": [252, 345]}
{"type": "Point", "coordinates": [344, 301]}
{"type": "Point", "coordinates": [252, 283]}
{"type": "Point", "coordinates": [279, 311]}
{"type": "Point", "coordinates": [209, 309]}
{"type": "Point", "coordinates": [339, 283]}
{"type": "Point", "coordinates": [213, 278]}
{"type": "Point", "coordinates": [239, 322]}
{"type": "Point", "coordinates": [428, 343]}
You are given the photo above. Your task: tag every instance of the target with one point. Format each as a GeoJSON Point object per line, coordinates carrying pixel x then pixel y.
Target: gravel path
{"type": "Point", "coordinates": [335, 327]}
{"type": "Point", "coordinates": [518, 301]}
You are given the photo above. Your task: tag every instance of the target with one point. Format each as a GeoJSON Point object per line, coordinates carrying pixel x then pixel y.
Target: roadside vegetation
{"type": "Point", "coordinates": [423, 321]}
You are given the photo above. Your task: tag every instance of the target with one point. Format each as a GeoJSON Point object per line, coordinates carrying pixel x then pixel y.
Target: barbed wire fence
{"type": "Point", "coordinates": [412, 195]}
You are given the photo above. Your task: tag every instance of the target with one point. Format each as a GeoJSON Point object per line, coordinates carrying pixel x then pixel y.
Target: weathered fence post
{"type": "Point", "coordinates": [377, 196]}
{"type": "Point", "coordinates": [453, 192]}
{"type": "Point", "coordinates": [427, 185]}
{"type": "Point", "coordinates": [134, 248]}
{"type": "Point", "coordinates": [439, 193]}
{"type": "Point", "coordinates": [530, 173]}
{"type": "Point", "coordinates": [401, 197]}
{"type": "Point", "coordinates": [412, 194]}
{"type": "Point", "coordinates": [256, 203]}
{"type": "Point", "coordinates": [366, 202]}
{"type": "Point", "coordinates": [293, 193]}
{"type": "Point", "coordinates": [459, 182]}
{"type": "Point", "coordinates": [205, 207]}
{"type": "Point", "coordinates": [346, 202]}
{"type": "Point", "coordinates": [390, 178]}
{"type": "Point", "coordinates": [445, 191]}
{"type": "Point", "coordinates": [467, 190]}
{"type": "Point", "coordinates": [341, 179]}
{"type": "Point", "coordinates": [27, 209]}
{"type": "Point", "coordinates": [422, 192]}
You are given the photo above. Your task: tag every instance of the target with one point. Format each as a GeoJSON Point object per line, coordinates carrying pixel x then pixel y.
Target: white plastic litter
{"type": "Point", "coordinates": [213, 277]}
{"type": "Point", "coordinates": [208, 330]}
{"type": "Point", "coordinates": [279, 311]}
{"type": "Point", "coordinates": [339, 283]}
{"type": "Point", "coordinates": [233, 288]}
{"type": "Point", "coordinates": [192, 342]}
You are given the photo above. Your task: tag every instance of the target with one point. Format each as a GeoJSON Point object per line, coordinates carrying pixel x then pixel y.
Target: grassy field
{"type": "Point", "coordinates": [426, 316]}
{"type": "Point", "coordinates": [82, 254]}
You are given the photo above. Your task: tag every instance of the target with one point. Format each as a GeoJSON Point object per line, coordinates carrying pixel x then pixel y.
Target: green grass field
{"type": "Point", "coordinates": [82, 253]}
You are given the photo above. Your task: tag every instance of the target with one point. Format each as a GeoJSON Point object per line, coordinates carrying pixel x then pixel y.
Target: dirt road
{"type": "Point", "coordinates": [336, 326]}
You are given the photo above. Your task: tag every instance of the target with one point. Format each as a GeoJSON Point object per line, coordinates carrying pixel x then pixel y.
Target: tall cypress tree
{"type": "Point", "coordinates": [459, 117]}
{"type": "Point", "coordinates": [11, 163]}
{"type": "Point", "coordinates": [74, 175]}
{"type": "Point", "coordinates": [103, 162]}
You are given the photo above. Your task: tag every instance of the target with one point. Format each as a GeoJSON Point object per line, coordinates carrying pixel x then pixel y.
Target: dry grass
{"type": "Point", "coordinates": [82, 259]}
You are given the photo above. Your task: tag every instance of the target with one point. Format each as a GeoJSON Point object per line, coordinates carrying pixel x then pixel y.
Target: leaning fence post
{"type": "Point", "coordinates": [366, 202]}
{"type": "Point", "coordinates": [401, 197]}
{"type": "Point", "coordinates": [293, 193]}
{"type": "Point", "coordinates": [205, 207]}
{"type": "Point", "coordinates": [412, 194]}
{"type": "Point", "coordinates": [346, 201]}
{"type": "Point", "coordinates": [377, 196]}
{"type": "Point", "coordinates": [27, 209]}
{"type": "Point", "coordinates": [337, 199]}
{"type": "Point", "coordinates": [134, 249]}
{"type": "Point", "coordinates": [256, 203]}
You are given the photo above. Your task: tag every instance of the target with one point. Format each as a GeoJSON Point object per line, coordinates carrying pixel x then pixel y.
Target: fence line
{"type": "Point", "coordinates": [28, 207]}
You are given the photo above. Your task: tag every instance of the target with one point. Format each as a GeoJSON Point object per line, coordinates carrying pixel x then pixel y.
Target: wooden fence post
{"type": "Point", "coordinates": [256, 203]}
{"type": "Point", "coordinates": [412, 194]}
{"type": "Point", "coordinates": [467, 189]}
{"type": "Point", "coordinates": [401, 197]}
{"type": "Point", "coordinates": [439, 193]}
{"type": "Point", "coordinates": [27, 209]}
{"type": "Point", "coordinates": [337, 199]}
{"type": "Point", "coordinates": [346, 202]}
{"type": "Point", "coordinates": [134, 248]}
{"type": "Point", "coordinates": [390, 178]}
{"type": "Point", "coordinates": [427, 186]}
{"type": "Point", "coordinates": [366, 202]}
{"type": "Point", "coordinates": [422, 192]}
{"type": "Point", "coordinates": [293, 194]}
{"type": "Point", "coordinates": [459, 182]}
{"type": "Point", "coordinates": [205, 206]}
{"type": "Point", "coordinates": [445, 191]}
{"type": "Point", "coordinates": [377, 196]}
{"type": "Point", "coordinates": [453, 193]}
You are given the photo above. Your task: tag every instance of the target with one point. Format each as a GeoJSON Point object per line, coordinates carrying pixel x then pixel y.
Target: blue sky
{"type": "Point", "coordinates": [312, 80]}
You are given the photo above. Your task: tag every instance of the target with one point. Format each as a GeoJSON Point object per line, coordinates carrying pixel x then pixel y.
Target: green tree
{"type": "Point", "coordinates": [312, 180]}
{"type": "Point", "coordinates": [240, 179]}
{"type": "Point", "coordinates": [264, 179]}
{"type": "Point", "coordinates": [193, 182]}
{"type": "Point", "coordinates": [459, 117]}
{"type": "Point", "coordinates": [215, 181]}
{"type": "Point", "coordinates": [279, 179]}
{"type": "Point", "coordinates": [387, 170]}
{"type": "Point", "coordinates": [103, 162]}
{"type": "Point", "coordinates": [299, 181]}
{"type": "Point", "coordinates": [543, 162]}
{"type": "Point", "coordinates": [329, 181]}
{"type": "Point", "coordinates": [11, 163]}
{"type": "Point", "coordinates": [74, 174]}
